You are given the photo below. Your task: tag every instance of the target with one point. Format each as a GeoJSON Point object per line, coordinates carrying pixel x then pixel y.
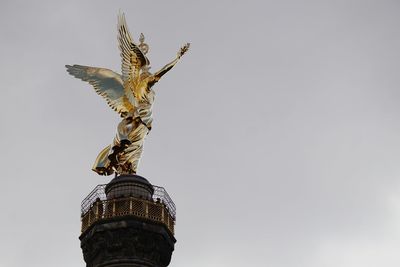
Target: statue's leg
{"type": "Point", "coordinates": [132, 154]}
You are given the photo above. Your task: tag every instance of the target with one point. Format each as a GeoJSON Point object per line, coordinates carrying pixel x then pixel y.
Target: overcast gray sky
{"type": "Point", "coordinates": [277, 135]}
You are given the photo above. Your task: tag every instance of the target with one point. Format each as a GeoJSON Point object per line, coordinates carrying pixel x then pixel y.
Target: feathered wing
{"type": "Point", "coordinates": [132, 58]}
{"type": "Point", "coordinates": [107, 83]}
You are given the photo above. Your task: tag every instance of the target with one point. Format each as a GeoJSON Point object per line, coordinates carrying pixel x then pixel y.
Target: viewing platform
{"type": "Point", "coordinates": [144, 202]}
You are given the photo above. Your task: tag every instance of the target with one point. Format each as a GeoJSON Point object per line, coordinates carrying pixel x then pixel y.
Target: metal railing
{"type": "Point", "coordinates": [159, 207]}
{"type": "Point", "coordinates": [159, 195]}
{"type": "Point", "coordinates": [147, 209]}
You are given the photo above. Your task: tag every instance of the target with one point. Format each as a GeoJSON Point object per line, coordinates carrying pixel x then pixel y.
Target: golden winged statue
{"type": "Point", "coordinates": [131, 95]}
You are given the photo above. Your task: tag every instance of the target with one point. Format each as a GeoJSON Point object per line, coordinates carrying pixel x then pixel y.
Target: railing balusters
{"type": "Point", "coordinates": [159, 209]}
{"type": "Point", "coordinates": [113, 207]}
{"type": "Point", "coordinates": [167, 222]}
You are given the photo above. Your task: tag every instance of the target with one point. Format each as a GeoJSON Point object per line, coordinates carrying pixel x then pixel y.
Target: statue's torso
{"type": "Point", "coordinates": [142, 115]}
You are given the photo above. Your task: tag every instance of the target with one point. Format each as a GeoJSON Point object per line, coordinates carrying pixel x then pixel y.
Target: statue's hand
{"type": "Point", "coordinates": [183, 50]}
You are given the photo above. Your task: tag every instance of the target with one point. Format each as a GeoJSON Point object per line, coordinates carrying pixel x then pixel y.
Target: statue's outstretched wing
{"type": "Point", "coordinates": [107, 83]}
{"type": "Point", "coordinates": [132, 57]}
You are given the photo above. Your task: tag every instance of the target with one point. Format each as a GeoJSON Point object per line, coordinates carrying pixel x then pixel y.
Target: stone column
{"type": "Point", "coordinates": [126, 235]}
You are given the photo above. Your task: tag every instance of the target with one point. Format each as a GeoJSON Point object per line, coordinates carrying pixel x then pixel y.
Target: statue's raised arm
{"type": "Point", "coordinates": [131, 95]}
{"type": "Point", "coordinates": [168, 67]}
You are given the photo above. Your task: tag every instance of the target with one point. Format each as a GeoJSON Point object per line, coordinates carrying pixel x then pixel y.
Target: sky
{"type": "Point", "coordinates": [277, 135]}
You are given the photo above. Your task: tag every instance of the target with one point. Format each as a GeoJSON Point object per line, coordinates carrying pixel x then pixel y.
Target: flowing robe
{"type": "Point", "coordinates": [123, 155]}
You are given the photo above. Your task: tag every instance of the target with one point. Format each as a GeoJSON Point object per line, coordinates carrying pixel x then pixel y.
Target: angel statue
{"type": "Point", "coordinates": [131, 95]}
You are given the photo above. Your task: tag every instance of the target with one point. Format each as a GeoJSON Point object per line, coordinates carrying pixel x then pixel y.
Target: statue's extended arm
{"type": "Point", "coordinates": [165, 69]}
{"type": "Point", "coordinates": [157, 76]}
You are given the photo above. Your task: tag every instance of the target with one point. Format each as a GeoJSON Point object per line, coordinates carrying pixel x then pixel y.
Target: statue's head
{"type": "Point", "coordinates": [145, 71]}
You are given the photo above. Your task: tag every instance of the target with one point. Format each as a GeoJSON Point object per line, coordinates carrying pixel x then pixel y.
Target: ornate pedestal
{"type": "Point", "coordinates": [128, 223]}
